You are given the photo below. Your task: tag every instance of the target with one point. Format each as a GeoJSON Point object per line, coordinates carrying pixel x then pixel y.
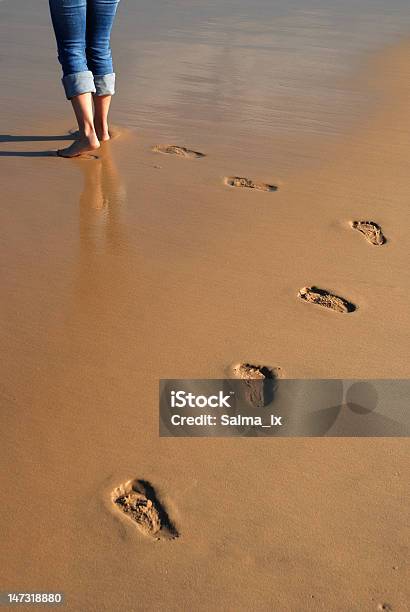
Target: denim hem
{"type": "Point", "coordinates": [78, 83]}
{"type": "Point", "coordinates": [105, 84]}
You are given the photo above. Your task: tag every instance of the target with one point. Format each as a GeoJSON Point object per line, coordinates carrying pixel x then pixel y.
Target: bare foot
{"type": "Point", "coordinates": [103, 133]}
{"type": "Point", "coordinates": [103, 136]}
{"type": "Point", "coordinates": [83, 145]}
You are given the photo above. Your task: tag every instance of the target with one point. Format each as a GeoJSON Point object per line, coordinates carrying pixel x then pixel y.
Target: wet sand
{"type": "Point", "coordinates": [141, 265]}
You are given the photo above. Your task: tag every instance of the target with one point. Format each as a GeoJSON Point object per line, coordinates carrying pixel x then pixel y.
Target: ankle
{"type": "Point", "coordinates": [88, 131]}
{"type": "Point", "coordinates": [101, 128]}
{"type": "Point", "coordinates": [103, 136]}
{"type": "Point", "coordinates": [90, 140]}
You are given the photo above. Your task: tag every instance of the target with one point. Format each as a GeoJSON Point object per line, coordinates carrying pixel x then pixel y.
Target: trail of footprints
{"type": "Point", "coordinates": [371, 231]}
{"type": "Point", "coordinates": [137, 499]}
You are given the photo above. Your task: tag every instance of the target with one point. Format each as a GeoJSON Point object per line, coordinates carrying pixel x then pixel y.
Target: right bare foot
{"type": "Point", "coordinates": [103, 136]}
{"type": "Point", "coordinates": [83, 145]}
{"type": "Point", "coordinates": [102, 131]}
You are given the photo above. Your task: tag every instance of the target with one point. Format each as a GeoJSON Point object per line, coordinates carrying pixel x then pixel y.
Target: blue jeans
{"type": "Point", "coordinates": [83, 29]}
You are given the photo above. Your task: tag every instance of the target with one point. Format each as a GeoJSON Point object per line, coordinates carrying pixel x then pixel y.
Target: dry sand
{"type": "Point", "coordinates": [139, 266]}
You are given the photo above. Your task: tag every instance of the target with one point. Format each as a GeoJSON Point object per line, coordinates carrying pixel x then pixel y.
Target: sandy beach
{"type": "Point", "coordinates": [139, 265]}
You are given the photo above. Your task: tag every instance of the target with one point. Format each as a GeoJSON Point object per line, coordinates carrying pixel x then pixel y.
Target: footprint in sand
{"type": "Point", "coordinates": [259, 382]}
{"type": "Point", "coordinates": [240, 181]}
{"type": "Point", "coordinates": [247, 371]}
{"type": "Point", "coordinates": [371, 231]}
{"type": "Point", "coordinates": [84, 157]}
{"type": "Point", "coordinates": [180, 151]}
{"type": "Point", "coordinates": [314, 295]}
{"type": "Point", "coordinates": [138, 500]}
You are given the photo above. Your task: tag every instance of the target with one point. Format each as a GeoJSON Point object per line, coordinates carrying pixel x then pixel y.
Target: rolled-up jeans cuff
{"type": "Point", "coordinates": [105, 84]}
{"type": "Point", "coordinates": [78, 83]}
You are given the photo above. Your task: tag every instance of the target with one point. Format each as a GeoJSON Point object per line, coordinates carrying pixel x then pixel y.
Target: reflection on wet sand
{"type": "Point", "coordinates": [103, 191]}
{"type": "Point", "coordinates": [102, 231]}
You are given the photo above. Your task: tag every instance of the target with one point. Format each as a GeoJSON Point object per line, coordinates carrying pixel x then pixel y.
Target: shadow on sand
{"type": "Point", "coordinates": [43, 138]}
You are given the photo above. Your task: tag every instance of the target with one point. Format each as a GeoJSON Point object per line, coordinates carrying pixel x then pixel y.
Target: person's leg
{"type": "Point", "coordinates": [100, 19]}
{"type": "Point", "coordinates": [69, 19]}
{"type": "Point", "coordinates": [101, 108]}
{"type": "Point", "coordinates": [88, 140]}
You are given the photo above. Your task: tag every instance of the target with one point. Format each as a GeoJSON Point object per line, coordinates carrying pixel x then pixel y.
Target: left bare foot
{"type": "Point", "coordinates": [85, 144]}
